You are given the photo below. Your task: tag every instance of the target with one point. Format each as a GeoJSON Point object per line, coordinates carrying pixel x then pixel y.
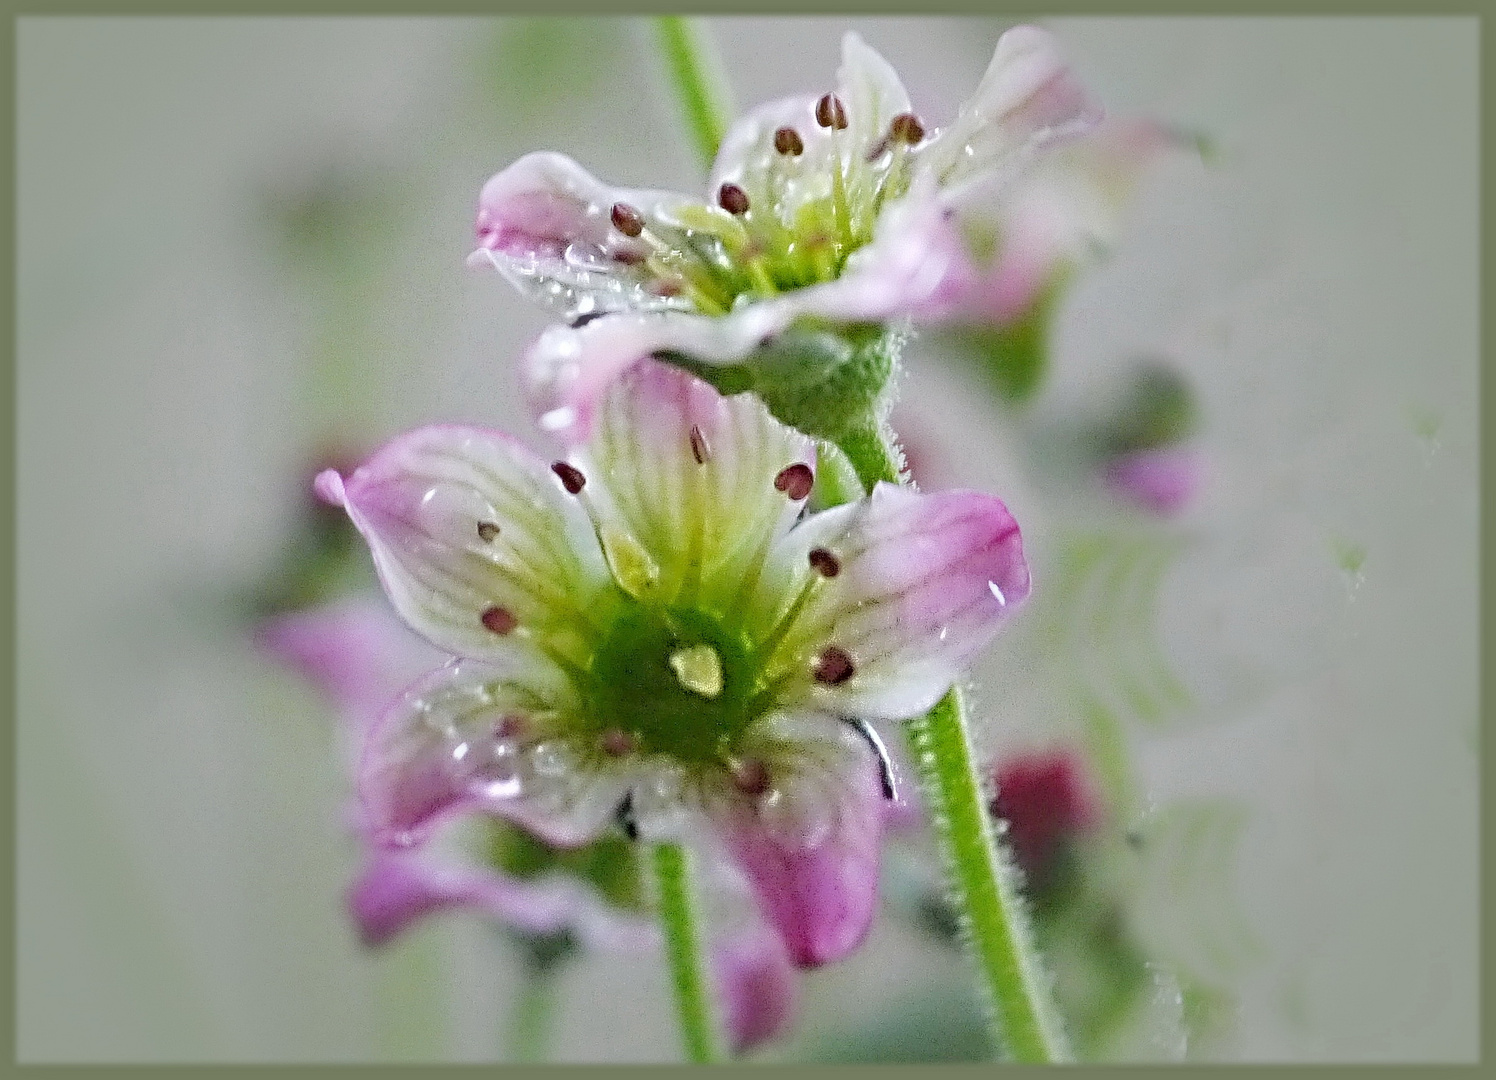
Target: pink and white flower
{"type": "Point", "coordinates": [821, 210]}
{"type": "Point", "coordinates": [651, 629]}
{"type": "Point", "coordinates": [360, 656]}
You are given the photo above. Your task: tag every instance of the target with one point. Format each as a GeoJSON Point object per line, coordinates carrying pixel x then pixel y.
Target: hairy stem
{"type": "Point", "coordinates": [693, 996]}
{"type": "Point", "coordinates": [696, 74]}
{"type": "Point", "coordinates": [984, 887]}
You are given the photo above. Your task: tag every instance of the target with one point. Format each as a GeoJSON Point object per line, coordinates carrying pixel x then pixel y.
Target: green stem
{"type": "Point", "coordinates": [531, 1021]}
{"type": "Point", "coordinates": [696, 72]}
{"type": "Point", "coordinates": [693, 997]}
{"type": "Point", "coordinates": [984, 887]}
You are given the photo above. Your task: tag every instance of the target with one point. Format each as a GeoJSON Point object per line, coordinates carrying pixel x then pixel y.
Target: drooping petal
{"type": "Point", "coordinates": [471, 737]}
{"type": "Point", "coordinates": [545, 223]}
{"type": "Point", "coordinates": [569, 368]}
{"type": "Point", "coordinates": [1028, 97]}
{"type": "Point", "coordinates": [757, 984]}
{"type": "Point", "coordinates": [922, 583]}
{"type": "Point", "coordinates": [355, 651]}
{"type": "Point", "coordinates": [810, 845]}
{"type": "Point", "coordinates": [397, 888]}
{"type": "Point", "coordinates": [477, 542]}
{"type": "Point", "coordinates": [689, 496]}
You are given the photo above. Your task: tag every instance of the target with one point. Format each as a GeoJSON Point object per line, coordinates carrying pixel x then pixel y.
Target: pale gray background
{"type": "Point", "coordinates": [180, 855]}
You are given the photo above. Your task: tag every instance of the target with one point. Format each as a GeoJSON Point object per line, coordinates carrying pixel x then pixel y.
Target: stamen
{"type": "Point", "coordinates": [787, 141]}
{"type": "Point", "coordinates": [825, 563]}
{"type": "Point", "coordinates": [627, 220]}
{"type": "Point", "coordinates": [833, 667]}
{"type": "Point", "coordinates": [795, 481]}
{"type": "Point", "coordinates": [618, 743]}
{"type": "Point", "coordinates": [701, 450]}
{"type": "Point", "coordinates": [500, 620]}
{"type": "Point", "coordinates": [582, 320]}
{"type": "Point", "coordinates": [733, 199]}
{"type": "Point", "coordinates": [487, 530]}
{"type": "Point", "coordinates": [907, 129]}
{"type": "Point", "coordinates": [877, 150]}
{"type": "Point", "coordinates": [749, 775]}
{"type": "Point", "coordinates": [831, 113]}
{"type": "Point", "coordinates": [885, 763]}
{"type": "Point", "coordinates": [571, 476]}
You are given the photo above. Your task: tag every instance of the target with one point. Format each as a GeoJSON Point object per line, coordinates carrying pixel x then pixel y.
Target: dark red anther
{"type": "Point", "coordinates": [733, 199]}
{"type": "Point", "coordinates": [833, 667]}
{"type": "Point", "coordinates": [795, 481]}
{"type": "Point", "coordinates": [907, 129]}
{"type": "Point", "coordinates": [487, 530]}
{"type": "Point", "coordinates": [830, 112]}
{"type": "Point", "coordinates": [500, 620]}
{"type": "Point", "coordinates": [627, 220]}
{"type": "Point", "coordinates": [788, 142]}
{"type": "Point", "coordinates": [825, 563]}
{"type": "Point", "coordinates": [701, 450]}
{"type": "Point", "coordinates": [571, 476]}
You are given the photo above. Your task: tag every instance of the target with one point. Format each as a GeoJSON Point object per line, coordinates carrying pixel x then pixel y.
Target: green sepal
{"type": "Point", "coordinates": [824, 381]}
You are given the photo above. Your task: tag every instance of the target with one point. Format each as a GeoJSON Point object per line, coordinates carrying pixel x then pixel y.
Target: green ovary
{"type": "Point", "coordinates": [675, 679]}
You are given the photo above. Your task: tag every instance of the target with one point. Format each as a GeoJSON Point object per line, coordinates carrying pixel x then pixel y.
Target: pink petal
{"type": "Point", "coordinates": [545, 223]}
{"type": "Point", "coordinates": [395, 889]}
{"type": "Point", "coordinates": [818, 888]}
{"type": "Point", "coordinates": [925, 582]}
{"type": "Point", "coordinates": [757, 984]}
{"type": "Point", "coordinates": [470, 738]}
{"type": "Point", "coordinates": [355, 651]}
{"type": "Point", "coordinates": [569, 369]}
{"type": "Point", "coordinates": [1027, 98]}
{"type": "Point", "coordinates": [426, 502]}
{"type": "Point", "coordinates": [1161, 481]}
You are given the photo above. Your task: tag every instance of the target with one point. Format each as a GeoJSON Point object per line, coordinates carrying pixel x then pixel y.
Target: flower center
{"type": "Point", "coordinates": [671, 681]}
{"type": "Point", "coordinates": [790, 220]}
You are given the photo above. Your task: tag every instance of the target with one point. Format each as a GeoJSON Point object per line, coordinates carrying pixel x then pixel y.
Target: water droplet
{"type": "Point", "coordinates": [997, 593]}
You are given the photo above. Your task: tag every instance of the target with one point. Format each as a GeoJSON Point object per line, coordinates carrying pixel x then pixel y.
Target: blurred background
{"type": "Point", "coordinates": [241, 248]}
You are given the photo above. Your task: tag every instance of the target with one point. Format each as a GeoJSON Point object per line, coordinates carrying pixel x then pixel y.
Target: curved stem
{"type": "Point", "coordinates": [693, 997]}
{"type": "Point", "coordinates": [701, 88]}
{"type": "Point", "coordinates": [984, 886]}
